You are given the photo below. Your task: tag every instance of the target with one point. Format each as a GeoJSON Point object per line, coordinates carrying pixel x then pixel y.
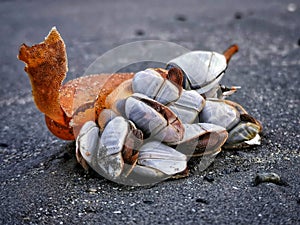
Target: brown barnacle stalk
{"type": "Point", "coordinates": [228, 53]}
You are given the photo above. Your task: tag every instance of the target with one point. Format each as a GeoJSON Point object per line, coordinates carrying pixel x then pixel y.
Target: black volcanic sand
{"type": "Point", "coordinates": [41, 183]}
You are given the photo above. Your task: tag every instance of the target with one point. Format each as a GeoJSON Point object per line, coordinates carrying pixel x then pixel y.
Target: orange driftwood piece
{"type": "Point", "coordinates": [47, 66]}
{"type": "Point", "coordinates": [66, 107]}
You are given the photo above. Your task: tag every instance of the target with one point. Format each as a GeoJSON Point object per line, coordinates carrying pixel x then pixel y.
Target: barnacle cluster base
{"type": "Point", "coordinates": [143, 127]}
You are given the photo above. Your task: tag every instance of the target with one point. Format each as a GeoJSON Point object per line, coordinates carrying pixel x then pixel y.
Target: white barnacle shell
{"type": "Point", "coordinates": [220, 113]}
{"type": "Point", "coordinates": [152, 84]}
{"type": "Point", "coordinates": [188, 106]}
{"type": "Point", "coordinates": [109, 157]}
{"type": "Point", "coordinates": [153, 118]}
{"type": "Point", "coordinates": [87, 143]}
{"type": "Point", "coordinates": [157, 155]}
{"type": "Point", "coordinates": [203, 69]}
{"type": "Point", "coordinates": [201, 139]}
